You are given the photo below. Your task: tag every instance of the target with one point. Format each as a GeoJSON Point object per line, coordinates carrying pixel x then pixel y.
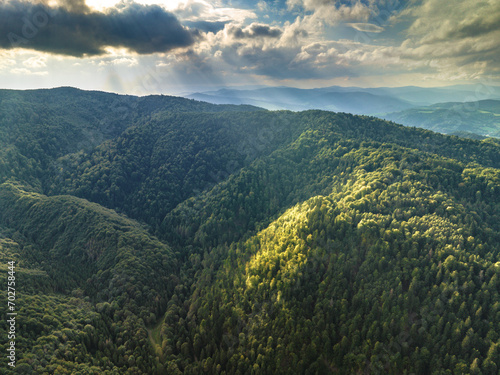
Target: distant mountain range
{"type": "Point", "coordinates": [356, 100]}
{"type": "Point", "coordinates": [469, 119]}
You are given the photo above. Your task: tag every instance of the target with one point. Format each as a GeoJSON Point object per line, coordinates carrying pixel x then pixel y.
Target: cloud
{"type": "Point", "coordinates": [255, 30]}
{"type": "Point", "coordinates": [124, 61]}
{"type": "Point", "coordinates": [200, 10]}
{"type": "Point", "coordinates": [335, 11]}
{"type": "Point", "coordinates": [27, 72]}
{"type": "Point", "coordinates": [265, 51]}
{"type": "Point", "coordinates": [366, 27]}
{"type": "Point", "coordinates": [35, 62]}
{"type": "Point", "coordinates": [286, 41]}
{"type": "Point", "coordinates": [7, 59]}
{"type": "Point", "coordinates": [206, 26]}
{"type": "Point", "coordinates": [75, 6]}
{"type": "Point", "coordinates": [454, 40]}
{"type": "Point", "coordinates": [72, 29]}
{"type": "Point", "coordinates": [437, 20]}
{"type": "Point", "coordinates": [263, 6]}
{"type": "Point", "coordinates": [345, 57]}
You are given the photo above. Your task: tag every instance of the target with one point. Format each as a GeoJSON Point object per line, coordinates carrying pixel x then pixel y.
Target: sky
{"type": "Point", "coordinates": [143, 47]}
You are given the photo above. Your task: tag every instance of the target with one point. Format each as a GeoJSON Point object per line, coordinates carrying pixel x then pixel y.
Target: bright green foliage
{"type": "Point", "coordinates": [394, 271]}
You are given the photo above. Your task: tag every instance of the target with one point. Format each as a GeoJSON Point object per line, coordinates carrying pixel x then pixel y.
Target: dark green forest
{"type": "Point", "coordinates": [161, 235]}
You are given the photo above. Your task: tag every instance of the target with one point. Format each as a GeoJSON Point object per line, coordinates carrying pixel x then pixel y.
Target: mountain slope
{"type": "Point", "coordinates": [393, 260]}
{"type": "Point", "coordinates": [98, 264]}
{"type": "Point", "coordinates": [309, 166]}
{"type": "Point", "coordinates": [39, 126]}
{"type": "Point", "coordinates": [150, 168]}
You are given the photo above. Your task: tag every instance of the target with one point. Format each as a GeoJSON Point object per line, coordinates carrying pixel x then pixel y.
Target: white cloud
{"type": "Point", "coordinates": [333, 12]}
{"type": "Point", "coordinates": [7, 59]}
{"type": "Point", "coordinates": [444, 20]}
{"type": "Point", "coordinates": [457, 40]}
{"type": "Point", "coordinates": [200, 10]}
{"type": "Point", "coordinates": [124, 61]}
{"type": "Point", "coordinates": [366, 27]}
{"type": "Point", "coordinates": [24, 71]}
{"type": "Point", "coordinates": [35, 62]}
{"type": "Point", "coordinates": [263, 6]}
{"type": "Point", "coordinates": [102, 5]}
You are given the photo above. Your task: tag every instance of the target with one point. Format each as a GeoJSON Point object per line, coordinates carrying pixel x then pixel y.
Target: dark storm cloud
{"type": "Point", "coordinates": [73, 29]}
{"type": "Point", "coordinates": [255, 31]}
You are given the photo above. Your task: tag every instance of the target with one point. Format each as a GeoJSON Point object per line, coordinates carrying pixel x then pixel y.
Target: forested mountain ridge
{"type": "Point", "coordinates": [39, 126]}
{"type": "Point", "coordinates": [151, 168]}
{"type": "Point", "coordinates": [194, 238]}
{"type": "Point", "coordinates": [363, 276]}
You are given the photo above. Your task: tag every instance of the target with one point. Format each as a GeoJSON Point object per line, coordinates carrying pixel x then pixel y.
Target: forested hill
{"type": "Point", "coordinates": [162, 235]}
{"type": "Point", "coordinates": [39, 126]}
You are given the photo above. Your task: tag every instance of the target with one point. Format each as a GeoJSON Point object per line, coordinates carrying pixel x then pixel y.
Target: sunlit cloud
{"type": "Point", "coordinates": [35, 62]}
{"type": "Point", "coordinates": [124, 61]}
